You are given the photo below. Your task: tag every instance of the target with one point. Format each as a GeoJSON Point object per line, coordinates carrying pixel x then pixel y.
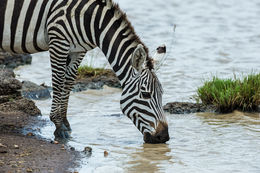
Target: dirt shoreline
{"type": "Point", "coordinates": [28, 152]}
{"type": "Point", "coordinates": [21, 150]}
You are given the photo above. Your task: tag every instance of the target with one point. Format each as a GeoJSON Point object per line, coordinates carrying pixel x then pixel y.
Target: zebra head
{"type": "Point", "coordinates": [141, 99]}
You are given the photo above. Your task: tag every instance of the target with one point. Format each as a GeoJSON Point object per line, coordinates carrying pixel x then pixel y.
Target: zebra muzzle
{"type": "Point", "coordinates": [160, 136]}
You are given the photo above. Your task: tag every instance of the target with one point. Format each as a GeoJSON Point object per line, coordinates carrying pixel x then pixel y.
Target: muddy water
{"type": "Point", "coordinates": [212, 37]}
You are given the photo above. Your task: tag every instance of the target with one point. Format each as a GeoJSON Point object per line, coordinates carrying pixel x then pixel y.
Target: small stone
{"type": "Point", "coordinates": [14, 166]}
{"type": "Point", "coordinates": [16, 146]}
{"type": "Point", "coordinates": [3, 151]}
{"type": "Point", "coordinates": [12, 162]}
{"type": "Point", "coordinates": [2, 145]}
{"type": "Point", "coordinates": [29, 170]}
{"type": "Point", "coordinates": [56, 142]}
{"type": "Point", "coordinates": [62, 147]}
{"type": "Point", "coordinates": [87, 149]}
{"type": "Point", "coordinates": [1, 163]}
{"type": "Point", "coordinates": [30, 134]}
{"type": "Point", "coordinates": [105, 153]}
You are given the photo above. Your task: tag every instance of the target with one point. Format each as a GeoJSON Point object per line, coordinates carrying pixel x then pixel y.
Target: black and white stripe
{"type": "Point", "coordinates": [70, 28]}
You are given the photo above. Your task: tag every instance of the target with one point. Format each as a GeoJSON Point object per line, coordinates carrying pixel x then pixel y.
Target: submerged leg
{"type": "Point", "coordinates": [59, 50]}
{"type": "Point", "coordinates": [70, 76]}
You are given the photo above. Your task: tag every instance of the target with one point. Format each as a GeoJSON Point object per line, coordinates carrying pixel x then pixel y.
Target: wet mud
{"type": "Point", "coordinates": [21, 149]}
{"type": "Point", "coordinates": [93, 81]}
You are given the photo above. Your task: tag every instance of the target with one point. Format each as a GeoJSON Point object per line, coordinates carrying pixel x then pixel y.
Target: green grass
{"type": "Point", "coordinates": [230, 94]}
{"type": "Point", "coordinates": [89, 71]}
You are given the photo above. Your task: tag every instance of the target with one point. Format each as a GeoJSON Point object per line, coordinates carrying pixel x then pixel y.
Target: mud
{"type": "Point", "coordinates": [93, 81]}
{"type": "Point", "coordinates": [187, 108]}
{"type": "Point", "coordinates": [21, 149]}
{"type": "Point", "coordinates": [19, 153]}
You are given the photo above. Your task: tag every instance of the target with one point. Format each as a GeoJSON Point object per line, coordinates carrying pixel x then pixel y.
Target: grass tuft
{"type": "Point", "coordinates": [230, 94]}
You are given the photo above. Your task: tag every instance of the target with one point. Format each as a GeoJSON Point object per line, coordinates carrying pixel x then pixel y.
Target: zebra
{"type": "Point", "coordinates": [70, 28]}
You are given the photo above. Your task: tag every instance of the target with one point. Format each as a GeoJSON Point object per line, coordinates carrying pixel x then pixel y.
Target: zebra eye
{"type": "Point", "coordinates": [146, 95]}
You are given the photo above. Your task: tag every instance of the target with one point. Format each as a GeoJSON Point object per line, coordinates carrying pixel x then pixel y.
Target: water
{"type": "Point", "coordinates": [213, 37]}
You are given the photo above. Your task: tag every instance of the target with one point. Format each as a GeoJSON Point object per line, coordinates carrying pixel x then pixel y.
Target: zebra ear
{"type": "Point", "coordinates": [138, 57]}
{"type": "Point", "coordinates": [159, 57]}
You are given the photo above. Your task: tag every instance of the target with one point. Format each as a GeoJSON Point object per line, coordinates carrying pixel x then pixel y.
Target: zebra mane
{"type": "Point", "coordinates": [123, 17]}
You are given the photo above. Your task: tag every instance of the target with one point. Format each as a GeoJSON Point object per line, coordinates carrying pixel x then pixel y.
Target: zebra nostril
{"type": "Point", "coordinates": [159, 138]}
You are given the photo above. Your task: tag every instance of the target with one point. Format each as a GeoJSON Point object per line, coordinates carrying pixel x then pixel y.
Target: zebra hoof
{"type": "Point", "coordinates": [68, 129]}
{"type": "Point", "coordinates": [62, 132]}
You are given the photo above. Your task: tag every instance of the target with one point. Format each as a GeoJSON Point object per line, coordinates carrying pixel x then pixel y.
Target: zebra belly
{"type": "Point", "coordinates": [22, 26]}
{"type": "Point", "coordinates": [22, 44]}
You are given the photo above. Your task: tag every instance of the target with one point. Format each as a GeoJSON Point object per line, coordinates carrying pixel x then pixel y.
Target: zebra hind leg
{"type": "Point", "coordinates": [70, 76]}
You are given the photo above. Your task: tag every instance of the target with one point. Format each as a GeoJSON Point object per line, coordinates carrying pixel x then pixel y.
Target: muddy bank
{"type": "Point", "coordinates": [12, 61]}
{"type": "Point", "coordinates": [96, 81]}
{"type": "Point", "coordinates": [186, 108]}
{"type": "Point", "coordinates": [20, 153]}
{"type": "Point", "coordinates": [21, 150]}
{"type": "Point", "coordinates": [91, 80]}
{"type": "Point", "coordinates": [33, 91]}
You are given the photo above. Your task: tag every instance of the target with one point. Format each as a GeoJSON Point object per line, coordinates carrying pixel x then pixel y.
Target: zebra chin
{"type": "Point", "coordinates": [160, 136]}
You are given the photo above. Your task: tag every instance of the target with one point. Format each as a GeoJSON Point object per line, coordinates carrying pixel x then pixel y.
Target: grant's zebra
{"type": "Point", "coordinates": [70, 28]}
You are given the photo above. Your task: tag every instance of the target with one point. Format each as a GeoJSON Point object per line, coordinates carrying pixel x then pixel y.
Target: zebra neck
{"type": "Point", "coordinates": [116, 37]}
{"type": "Point", "coordinates": [109, 29]}
{"type": "Point", "coordinates": [120, 59]}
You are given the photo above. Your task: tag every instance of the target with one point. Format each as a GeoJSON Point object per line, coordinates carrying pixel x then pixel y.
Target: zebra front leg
{"type": "Point", "coordinates": [58, 52]}
{"type": "Point", "coordinates": [73, 63]}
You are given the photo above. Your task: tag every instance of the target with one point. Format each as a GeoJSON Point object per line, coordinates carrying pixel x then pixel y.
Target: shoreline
{"type": "Point", "coordinates": [21, 150]}
{"type": "Point", "coordinates": [29, 152]}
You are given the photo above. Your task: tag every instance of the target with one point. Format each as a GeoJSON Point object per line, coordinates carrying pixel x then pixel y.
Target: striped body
{"type": "Point", "coordinates": [22, 26]}
{"type": "Point", "coordinates": [70, 28]}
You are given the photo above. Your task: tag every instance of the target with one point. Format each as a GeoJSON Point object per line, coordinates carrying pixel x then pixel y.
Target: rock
{"type": "Point", "coordinates": [186, 108]}
{"type": "Point", "coordinates": [3, 151]}
{"type": "Point", "coordinates": [56, 142]}
{"type": "Point", "coordinates": [7, 98]}
{"type": "Point", "coordinates": [2, 145]}
{"type": "Point", "coordinates": [12, 61]}
{"type": "Point", "coordinates": [16, 146]}
{"type": "Point", "coordinates": [33, 91]}
{"type": "Point", "coordinates": [3, 148]}
{"type": "Point", "coordinates": [8, 84]}
{"type": "Point", "coordinates": [88, 151]}
{"type": "Point", "coordinates": [29, 170]}
{"type": "Point", "coordinates": [30, 134]}
{"type": "Point", "coordinates": [7, 73]}
{"type": "Point", "coordinates": [21, 105]}
{"type": "Point", "coordinates": [92, 81]}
